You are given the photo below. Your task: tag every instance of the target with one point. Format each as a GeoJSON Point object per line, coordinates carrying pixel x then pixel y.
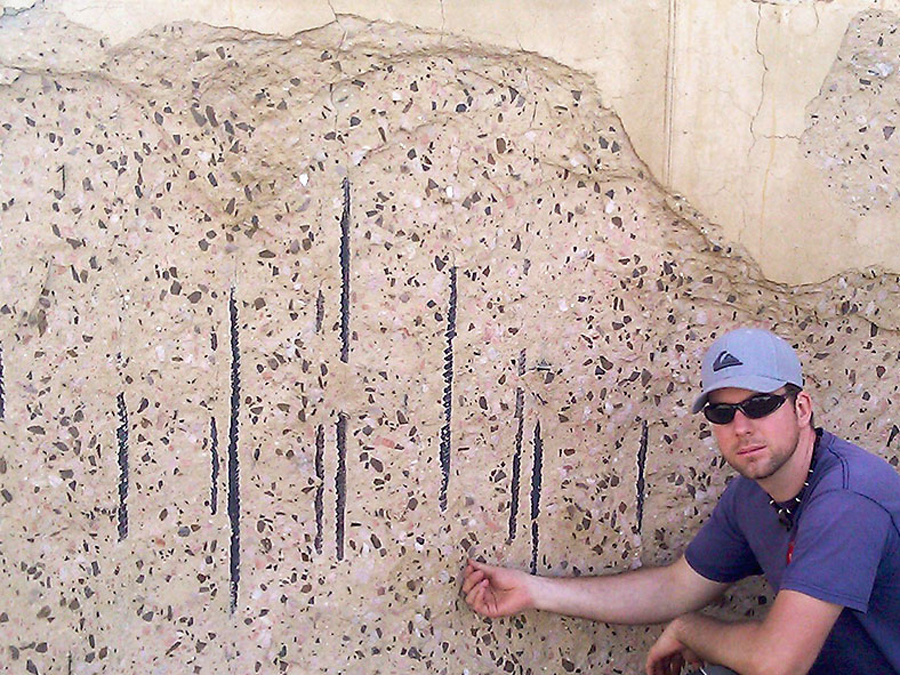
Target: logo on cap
{"type": "Point", "coordinates": [725, 360]}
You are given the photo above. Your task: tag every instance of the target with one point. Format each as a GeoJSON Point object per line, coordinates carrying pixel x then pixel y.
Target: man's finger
{"type": "Point", "coordinates": [471, 580]}
{"type": "Point", "coordinates": [485, 601]}
{"type": "Point", "coordinates": [475, 597]}
{"type": "Point", "coordinates": [471, 596]}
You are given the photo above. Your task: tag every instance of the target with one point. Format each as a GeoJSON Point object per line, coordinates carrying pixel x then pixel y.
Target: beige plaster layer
{"type": "Point", "coordinates": [744, 79]}
{"type": "Point", "coordinates": [713, 94]}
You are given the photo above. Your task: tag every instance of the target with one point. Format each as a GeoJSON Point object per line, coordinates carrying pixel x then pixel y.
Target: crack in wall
{"type": "Point", "coordinates": [670, 81]}
{"type": "Point", "coordinates": [762, 94]}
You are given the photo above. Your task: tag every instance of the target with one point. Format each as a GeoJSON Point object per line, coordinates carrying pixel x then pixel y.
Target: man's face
{"type": "Point", "coordinates": [757, 449]}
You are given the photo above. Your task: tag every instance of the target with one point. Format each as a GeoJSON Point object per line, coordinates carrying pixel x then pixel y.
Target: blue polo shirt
{"type": "Point", "coordinates": [844, 549]}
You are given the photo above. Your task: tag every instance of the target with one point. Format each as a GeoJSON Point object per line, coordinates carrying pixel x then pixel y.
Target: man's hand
{"type": "Point", "coordinates": [649, 595]}
{"type": "Point", "coordinates": [787, 642]}
{"type": "Point", "coordinates": [668, 654]}
{"type": "Point", "coordinates": [496, 591]}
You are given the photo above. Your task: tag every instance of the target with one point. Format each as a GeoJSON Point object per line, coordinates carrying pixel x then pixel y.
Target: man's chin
{"type": "Point", "coordinates": [753, 470]}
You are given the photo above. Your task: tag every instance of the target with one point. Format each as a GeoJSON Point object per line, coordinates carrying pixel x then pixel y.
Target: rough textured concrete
{"type": "Point", "coordinates": [712, 93]}
{"type": "Point", "coordinates": [289, 327]}
{"type": "Point", "coordinates": [851, 125]}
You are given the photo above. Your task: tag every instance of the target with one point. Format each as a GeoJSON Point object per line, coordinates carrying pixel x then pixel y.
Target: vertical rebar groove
{"type": "Point", "coordinates": [345, 274]}
{"type": "Point", "coordinates": [122, 437]}
{"type": "Point", "coordinates": [340, 478]}
{"type": "Point", "coordinates": [2, 390]}
{"type": "Point", "coordinates": [320, 489]}
{"type": "Point", "coordinates": [641, 464]}
{"type": "Point", "coordinates": [234, 494]}
{"type": "Point", "coordinates": [214, 462]}
{"type": "Point", "coordinates": [340, 485]}
{"type": "Point", "coordinates": [320, 311]}
{"type": "Point", "coordinates": [445, 446]}
{"type": "Point", "coordinates": [536, 494]}
{"type": "Point", "coordinates": [517, 454]}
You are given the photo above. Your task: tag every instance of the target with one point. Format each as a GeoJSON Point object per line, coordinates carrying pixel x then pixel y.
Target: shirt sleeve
{"type": "Point", "coordinates": [840, 540]}
{"type": "Point", "coordinates": [720, 551]}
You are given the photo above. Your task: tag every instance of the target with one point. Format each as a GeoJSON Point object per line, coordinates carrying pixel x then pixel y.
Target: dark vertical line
{"type": "Point", "coordinates": [448, 392]}
{"type": "Point", "coordinates": [320, 311]}
{"type": "Point", "coordinates": [2, 392]}
{"type": "Point", "coordinates": [536, 494]}
{"type": "Point", "coordinates": [340, 478]}
{"type": "Point", "coordinates": [517, 455]}
{"type": "Point", "coordinates": [122, 436]}
{"type": "Point", "coordinates": [214, 460]}
{"type": "Point", "coordinates": [641, 464]}
{"type": "Point", "coordinates": [234, 494]}
{"type": "Point", "coordinates": [320, 490]}
{"type": "Point", "coordinates": [894, 431]}
{"type": "Point", "coordinates": [340, 484]}
{"type": "Point", "coordinates": [345, 274]}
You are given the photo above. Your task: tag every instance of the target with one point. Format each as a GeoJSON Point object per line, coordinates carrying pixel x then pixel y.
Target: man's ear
{"type": "Point", "coordinates": [803, 408]}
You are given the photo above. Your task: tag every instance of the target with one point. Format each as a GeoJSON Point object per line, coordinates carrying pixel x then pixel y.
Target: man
{"type": "Point", "coordinates": [818, 516]}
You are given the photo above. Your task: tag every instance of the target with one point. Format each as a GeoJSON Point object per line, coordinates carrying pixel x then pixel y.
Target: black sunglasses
{"type": "Point", "coordinates": [755, 407]}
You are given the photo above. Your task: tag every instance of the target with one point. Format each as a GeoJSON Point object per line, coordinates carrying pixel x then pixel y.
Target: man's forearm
{"type": "Point", "coordinates": [613, 599]}
{"type": "Point", "coordinates": [787, 642]}
{"type": "Point", "coordinates": [742, 646]}
{"type": "Point", "coordinates": [735, 645]}
{"type": "Point", "coordinates": [650, 595]}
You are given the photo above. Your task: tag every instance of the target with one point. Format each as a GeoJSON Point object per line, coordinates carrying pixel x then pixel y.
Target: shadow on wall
{"type": "Point", "coordinates": [290, 327]}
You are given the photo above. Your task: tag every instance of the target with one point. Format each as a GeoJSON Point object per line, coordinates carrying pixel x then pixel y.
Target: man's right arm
{"type": "Point", "coordinates": [649, 595]}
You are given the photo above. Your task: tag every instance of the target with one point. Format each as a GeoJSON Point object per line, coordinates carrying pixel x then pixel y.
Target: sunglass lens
{"type": "Point", "coordinates": [754, 407]}
{"type": "Point", "coordinates": [760, 406]}
{"type": "Point", "coordinates": [720, 413]}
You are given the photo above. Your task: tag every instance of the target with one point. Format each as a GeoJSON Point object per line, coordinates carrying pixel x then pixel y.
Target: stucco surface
{"type": "Point", "coordinates": [851, 124]}
{"type": "Point", "coordinates": [291, 326]}
{"type": "Point", "coordinates": [713, 95]}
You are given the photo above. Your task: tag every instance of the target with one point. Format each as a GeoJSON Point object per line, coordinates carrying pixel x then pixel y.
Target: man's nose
{"type": "Point", "coordinates": [741, 424]}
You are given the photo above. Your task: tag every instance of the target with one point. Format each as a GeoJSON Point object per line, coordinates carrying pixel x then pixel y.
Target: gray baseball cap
{"type": "Point", "coordinates": [748, 358]}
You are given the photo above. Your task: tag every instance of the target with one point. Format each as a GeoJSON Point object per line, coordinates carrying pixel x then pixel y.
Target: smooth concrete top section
{"type": "Point", "coordinates": [714, 94]}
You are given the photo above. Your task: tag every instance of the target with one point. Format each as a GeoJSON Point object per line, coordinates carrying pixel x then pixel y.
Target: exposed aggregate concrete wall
{"type": "Point", "coordinates": [290, 327]}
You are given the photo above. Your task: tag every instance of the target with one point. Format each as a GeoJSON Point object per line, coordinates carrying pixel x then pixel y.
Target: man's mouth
{"type": "Point", "coordinates": [749, 450]}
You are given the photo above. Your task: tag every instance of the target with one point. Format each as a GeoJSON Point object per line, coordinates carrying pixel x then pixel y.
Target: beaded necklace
{"type": "Point", "coordinates": [786, 511]}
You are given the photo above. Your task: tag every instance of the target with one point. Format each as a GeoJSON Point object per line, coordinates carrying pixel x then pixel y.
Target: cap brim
{"type": "Point", "coordinates": [759, 384]}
